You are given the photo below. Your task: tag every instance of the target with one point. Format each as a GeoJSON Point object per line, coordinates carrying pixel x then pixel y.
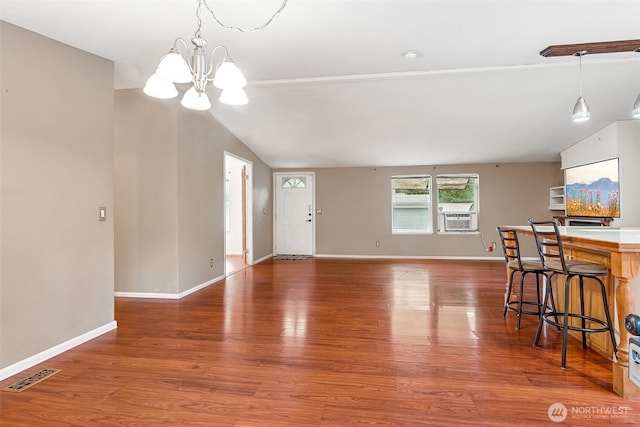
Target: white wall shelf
{"type": "Point", "coordinates": [556, 198]}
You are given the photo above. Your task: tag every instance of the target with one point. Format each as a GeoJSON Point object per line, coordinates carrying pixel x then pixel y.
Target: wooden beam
{"type": "Point", "coordinates": [591, 48]}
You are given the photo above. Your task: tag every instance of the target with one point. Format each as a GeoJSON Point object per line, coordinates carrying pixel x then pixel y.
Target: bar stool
{"type": "Point", "coordinates": [549, 244]}
{"type": "Point", "coordinates": [515, 264]}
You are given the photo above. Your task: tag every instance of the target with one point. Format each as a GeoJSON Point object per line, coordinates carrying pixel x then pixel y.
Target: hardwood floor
{"type": "Point", "coordinates": [325, 342]}
{"type": "Point", "coordinates": [233, 264]}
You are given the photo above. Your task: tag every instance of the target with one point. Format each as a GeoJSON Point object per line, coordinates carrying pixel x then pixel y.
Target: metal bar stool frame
{"type": "Point", "coordinates": [515, 264]}
{"type": "Point", "coordinates": [549, 245]}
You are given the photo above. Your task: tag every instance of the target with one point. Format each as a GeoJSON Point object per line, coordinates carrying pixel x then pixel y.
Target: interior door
{"type": "Point", "coordinates": [243, 179]}
{"type": "Point", "coordinates": [294, 213]}
{"type": "Point", "coordinates": [238, 218]}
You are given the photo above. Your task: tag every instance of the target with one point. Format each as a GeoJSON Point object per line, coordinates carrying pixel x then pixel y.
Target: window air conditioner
{"type": "Point", "coordinates": [458, 222]}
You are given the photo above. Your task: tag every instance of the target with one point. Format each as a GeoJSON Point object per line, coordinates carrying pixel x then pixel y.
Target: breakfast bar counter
{"type": "Point", "coordinates": [619, 249]}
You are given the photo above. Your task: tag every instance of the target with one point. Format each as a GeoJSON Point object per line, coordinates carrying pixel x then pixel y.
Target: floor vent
{"type": "Point", "coordinates": [33, 379]}
{"type": "Point", "coordinates": [291, 257]}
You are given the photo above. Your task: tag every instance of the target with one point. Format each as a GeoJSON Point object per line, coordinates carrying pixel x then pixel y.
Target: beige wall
{"type": "Point", "coordinates": [146, 190]}
{"type": "Point", "coordinates": [356, 209]}
{"type": "Point", "coordinates": [170, 195]}
{"type": "Point", "coordinates": [56, 136]}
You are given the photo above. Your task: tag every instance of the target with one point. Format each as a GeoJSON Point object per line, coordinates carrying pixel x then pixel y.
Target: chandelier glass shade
{"type": "Point", "coordinates": [233, 96]}
{"type": "Point", "coordinates": [229, 76]}
{"type": "Point", "coordinates": [173, 68]}
{"type": "Point", "coordinates": [195, 100]}
{"type": "Point", "coordinates": [159, 87]}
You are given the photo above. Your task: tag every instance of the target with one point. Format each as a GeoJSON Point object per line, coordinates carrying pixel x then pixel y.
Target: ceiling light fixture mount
{"type": "Point", "coordinates": [411, 54]}
{"type": "Point", "coordinates": [173, 68]}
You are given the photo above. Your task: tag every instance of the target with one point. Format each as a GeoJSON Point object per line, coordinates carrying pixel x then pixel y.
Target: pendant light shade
{"type": "Point", "coordinates": [158, 87]}
{"type": "Point", "coordinates": [195, 100]}
{"type": "Point", "coordinates": [635, 111]}
{"type": "Point", "coordinates": [581, 111]}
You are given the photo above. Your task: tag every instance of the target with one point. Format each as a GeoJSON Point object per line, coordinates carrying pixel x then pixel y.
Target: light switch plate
{"type": "Point", "coordinates": [102, 213]}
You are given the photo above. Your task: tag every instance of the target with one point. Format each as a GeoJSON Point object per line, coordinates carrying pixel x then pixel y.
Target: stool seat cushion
{"type": "Point", "coordinates": [532, 265]}
{"type": "Point", "coordinates": [578, 267]}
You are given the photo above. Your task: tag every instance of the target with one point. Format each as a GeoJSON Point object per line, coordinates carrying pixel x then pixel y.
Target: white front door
{"type": "Point", "coordinates": [294, 213]}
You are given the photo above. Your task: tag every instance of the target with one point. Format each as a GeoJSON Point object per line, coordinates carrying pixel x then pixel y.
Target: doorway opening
{"type": "Point", "coordinates": [238, 189]}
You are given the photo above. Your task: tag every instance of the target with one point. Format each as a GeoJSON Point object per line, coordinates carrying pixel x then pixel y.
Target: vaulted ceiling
{"type": "Point", "coordinates": [329, 85]}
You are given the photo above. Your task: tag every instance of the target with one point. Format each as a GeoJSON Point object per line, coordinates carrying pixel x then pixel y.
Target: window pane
{"type": "Point", "coordinates": [457, 202]}
{"type": "Point", "coordinates": [457, 192]}
{"type": "Point", "coordinates": [411, 204]}
{"type": "Point", "coordinates": [410, 219]}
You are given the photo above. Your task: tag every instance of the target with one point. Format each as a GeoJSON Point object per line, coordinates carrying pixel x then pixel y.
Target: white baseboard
{"type": "Point", "coordinates": [158, 295]}
{"type": "Point", "coordinates": [470, 258]}
{"type": "Point", "coordinates": [150, 295]}
{"type": "Point", "coordinates": [201, 286]}
{"type": "Point", "coordinates": [264, 258]}
{"type": "Point", "coordinates": [56, 350]}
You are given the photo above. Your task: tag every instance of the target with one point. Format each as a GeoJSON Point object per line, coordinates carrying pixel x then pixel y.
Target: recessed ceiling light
{"type": "Point", "coordinates": [411, 54]}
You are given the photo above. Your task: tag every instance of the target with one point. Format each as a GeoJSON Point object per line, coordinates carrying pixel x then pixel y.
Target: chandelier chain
{"type": "Point", "coordinates": [199, 22]}
{"type": "Point", "coordinates": [234, 28]}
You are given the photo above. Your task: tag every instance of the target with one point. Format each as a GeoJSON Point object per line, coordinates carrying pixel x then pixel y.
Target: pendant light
{"type": "Point", "coordinates": [581, 111]}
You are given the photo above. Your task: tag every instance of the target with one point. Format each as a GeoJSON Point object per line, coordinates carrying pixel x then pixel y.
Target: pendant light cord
{"type": "Point", "coordinates": [580, 78]}
{"type": "Point", "coordinates": [231, 27]}
{"type": "Point", "coordinates": [580, 54]}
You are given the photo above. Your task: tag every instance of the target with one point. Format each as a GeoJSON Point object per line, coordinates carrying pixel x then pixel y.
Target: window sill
{"type": "Point", "coordinates": [410, 233]}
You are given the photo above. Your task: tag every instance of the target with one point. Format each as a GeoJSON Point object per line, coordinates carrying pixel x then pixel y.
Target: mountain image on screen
{"type": "Point", "coordinates": [598, 198]}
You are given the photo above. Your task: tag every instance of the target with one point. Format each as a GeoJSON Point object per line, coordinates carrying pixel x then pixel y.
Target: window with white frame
{"type": "Point", "coordinates": [411, 204]}
{"type": "Point", "coordinates": [458, 197]}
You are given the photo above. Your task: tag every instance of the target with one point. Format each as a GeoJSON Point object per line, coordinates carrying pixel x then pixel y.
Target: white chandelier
{"type": "Point", "coordinates": [173, 68]}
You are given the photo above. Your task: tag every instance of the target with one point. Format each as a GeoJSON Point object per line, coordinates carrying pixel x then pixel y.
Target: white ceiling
{"type": "Point", "coordinates": [328, 85]}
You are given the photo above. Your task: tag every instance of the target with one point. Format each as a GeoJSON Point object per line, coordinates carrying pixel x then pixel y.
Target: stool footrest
{"type": "Point", "coordinates": [513, 305]}
{"type": "Point", "coordinates": [547, 318]}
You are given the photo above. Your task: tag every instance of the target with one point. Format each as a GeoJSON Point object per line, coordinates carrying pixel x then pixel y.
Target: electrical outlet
{"type": "Point", "coordinates": [211, 263]}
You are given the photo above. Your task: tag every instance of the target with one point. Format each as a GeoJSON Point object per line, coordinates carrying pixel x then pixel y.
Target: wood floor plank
{"type": "Point", "coordinates": [324, 342]}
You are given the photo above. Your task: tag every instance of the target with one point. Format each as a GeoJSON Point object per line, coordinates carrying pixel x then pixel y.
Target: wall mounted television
{"type": "Point", "coordinates": [593, 190]}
